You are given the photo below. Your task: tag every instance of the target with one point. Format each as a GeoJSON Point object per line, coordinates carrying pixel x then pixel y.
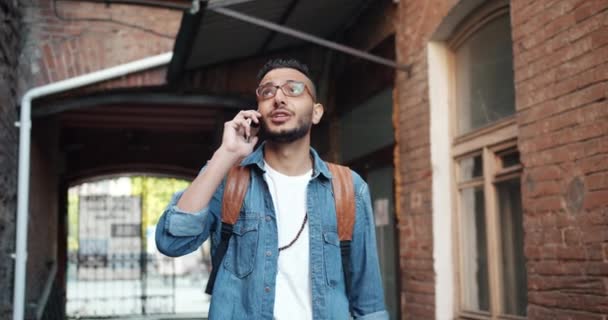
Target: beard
{"type": "Point", "coordinates": [287, 135]}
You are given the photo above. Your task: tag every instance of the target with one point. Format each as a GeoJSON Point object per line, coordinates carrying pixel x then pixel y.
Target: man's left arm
{"type": "Point", "coordinates": [367, 294]}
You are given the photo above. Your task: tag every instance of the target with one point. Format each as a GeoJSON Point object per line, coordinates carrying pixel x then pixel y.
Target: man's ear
{"type": "Point", "coordinates": [317, 113]}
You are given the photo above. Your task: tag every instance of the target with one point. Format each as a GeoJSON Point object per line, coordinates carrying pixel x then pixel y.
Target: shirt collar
{"type": "Point", "coordinates": [256, 158]}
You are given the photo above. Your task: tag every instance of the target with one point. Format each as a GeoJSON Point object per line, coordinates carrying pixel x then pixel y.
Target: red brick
{"type": "Point", "coordinates": [419, 287]}
{"type": "Point", "coordinates": [595, 252]}
{"type": "Point", "coordinates": [595, 234]}
{"type": "Point", "coordinates": [548, 236]}
{"type": "Point", "coordinates": [584, 62]}
{"type": "Point", "coordinates": [546, 19]}
{"type": "Point", "coordinates": [542, 313]}
{"type": "Point", "coordinates": [587, 26]}
{"type": "Point", "coordinates": [558, 25]}
{"type": "Point", "coordinates": [585, 96]}
{"type": "Point", "coordinates": [545, 188]}
{"type": "Point", "coordinates": [551, 156]}
{"type": "Point", "coordinates": [571, 236]}
{"type": "Point", "coordinates": [566, 284]}
{"type": "Point", "coordinates": [577, 315]}
{"type": "Point", "coordinates": [551, 267]}
{"type": "Point", "coordinates": [48, 57]}
{"type": "Point", "coordinates": [594, 164]}
{"type": "Point", "coordinates": [545, 173]}
{"type": "Point", "coordinates": [582, 80]}
{"type": "Point", "coordinates": [555, 58]}
{"type": "Point", "coordinates": [572, 301]}
{"type": "Point", "coordinates": [597, 181]}
{"type": "Point", "coordinates": [589, 9]}
{"type": "Point", "coordinates": [599, 38]}
{"type": "Point", "coordinates": [563, 220]}
{"type": "Point", "coordinates": [571, 253]}
{"type": "Point", "coordinates": [535, 83]}
{"type": "Point", "coordinates": [528, 25]}
{"type": "Point", "coordinates": [595, 218]}
{"type": "Point", "coordinates": [592, 130]}
{"type": "Point", "coordinates": [421, 298]}
{"type": "Point", "coordinates": [596, 269]}
{"type": "Point", "coordinates": [532, 252]}
{"type": "Point", "coordinates": [596, 199]}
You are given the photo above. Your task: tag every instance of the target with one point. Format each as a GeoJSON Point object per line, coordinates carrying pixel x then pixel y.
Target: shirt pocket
{"type": "Point", "coordinates": [331, 255]}
{"type": "Point", "coordinates": [242, 248]}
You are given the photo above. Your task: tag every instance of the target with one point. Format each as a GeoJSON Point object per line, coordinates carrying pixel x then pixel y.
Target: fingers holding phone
{"type": "Point", "coordinates": [254, 128]}
{"type": "Point", "coordinates": [240, 133]}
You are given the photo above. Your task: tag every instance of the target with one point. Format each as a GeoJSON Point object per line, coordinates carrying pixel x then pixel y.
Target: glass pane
{"type": "Point", "coordinates": [471, 168]}
{"type": "Point", "coordinates": [484, 76]}
{"type": "Point", "coordinates": [380, 182]}
{"type": "Point", "coordinates": [474, 268]}
{"type": "Point", "coordinates": [369, 124]}
{"type": "Point", "coordinates": [513, 262]}
{"type": "Point", "coordinates": [510, 159]}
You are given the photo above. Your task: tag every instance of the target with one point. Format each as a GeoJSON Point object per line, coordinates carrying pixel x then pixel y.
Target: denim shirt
{"type": "Point", "coordinates": [245, 284]}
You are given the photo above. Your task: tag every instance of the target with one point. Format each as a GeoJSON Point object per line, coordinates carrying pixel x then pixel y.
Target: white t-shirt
{"type": "Point", "coordinates": [293, 298]}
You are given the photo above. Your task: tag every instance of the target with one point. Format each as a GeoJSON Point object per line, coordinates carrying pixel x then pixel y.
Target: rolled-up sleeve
{"type": "Point", "coordinates": [379, 315]}
{"type": "Point", "coordinates": [183, 224]}
{"type": "Point", "coordinates": [179, 232]}
{"type": "Point", "coordinates": [366, 295]}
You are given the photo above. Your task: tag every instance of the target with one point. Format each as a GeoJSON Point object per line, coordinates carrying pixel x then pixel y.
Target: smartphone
{"type": "Point", "coordinates": [255, 127]}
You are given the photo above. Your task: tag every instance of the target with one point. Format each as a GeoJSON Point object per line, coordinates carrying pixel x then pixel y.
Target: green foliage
{"type": "Point", "coordinates": [72, 220]}
{"type": "Point", "coordinates": [155, 193]}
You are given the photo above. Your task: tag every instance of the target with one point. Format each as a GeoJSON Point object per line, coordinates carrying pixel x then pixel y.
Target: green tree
{"type": "Point", "coordinates": [155, 193]}
{"type": "Point", "coordinates": [72, 220]}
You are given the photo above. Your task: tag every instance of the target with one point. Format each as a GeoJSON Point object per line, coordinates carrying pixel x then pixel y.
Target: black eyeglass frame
{"type": "Point", "coordinates": [277, 87]}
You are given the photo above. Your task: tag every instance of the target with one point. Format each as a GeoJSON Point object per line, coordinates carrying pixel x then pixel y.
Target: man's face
{"type": "Point", "coordinates": [288, 118]}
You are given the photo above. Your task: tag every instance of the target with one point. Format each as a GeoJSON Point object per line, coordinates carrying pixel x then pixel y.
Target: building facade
{"type": "Point", "coordinates": [487, 157]}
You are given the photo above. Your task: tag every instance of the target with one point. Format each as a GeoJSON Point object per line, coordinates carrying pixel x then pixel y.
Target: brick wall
{"type": "Point", "coordinates": [10, 24]}
{"type": "Point", "coordinates": [59, 43]}
{"type": "Point", "coordinates": [416, 21]}
{"type": "Point", "coordinates": [73, 38]}
{"type": "Point", "coordinates": [561, 76]}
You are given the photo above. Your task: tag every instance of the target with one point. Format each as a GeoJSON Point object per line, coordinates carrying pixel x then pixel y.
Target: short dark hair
{"type": "Point", "coordinates": [284, 63]}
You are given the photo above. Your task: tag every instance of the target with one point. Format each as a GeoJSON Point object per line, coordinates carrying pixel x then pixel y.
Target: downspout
{"type": "Point", "coordinates": [25, 126]}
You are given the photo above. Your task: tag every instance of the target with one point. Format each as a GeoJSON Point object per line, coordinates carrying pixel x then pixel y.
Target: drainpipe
{"type": "Point", "coordinates": [25, 126]}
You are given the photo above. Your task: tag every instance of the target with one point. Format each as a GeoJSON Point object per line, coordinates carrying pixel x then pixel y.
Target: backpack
{"type": "Point", "coordinates": [235, 188]}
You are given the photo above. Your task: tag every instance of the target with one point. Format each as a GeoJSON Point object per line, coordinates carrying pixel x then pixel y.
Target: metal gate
{"type": "Point", "coordinates": [112, 273]}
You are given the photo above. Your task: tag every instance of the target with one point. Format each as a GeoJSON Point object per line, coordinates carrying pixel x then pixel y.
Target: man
{"type": "Point", "coordinates": [283, 258]}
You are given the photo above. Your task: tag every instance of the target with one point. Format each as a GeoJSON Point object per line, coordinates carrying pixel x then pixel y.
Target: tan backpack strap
{"type": "Point", "coordinates": [235, 188]}
{"type": "Point", "coordinates": [342, 184]}
{"type": "Point", "coordinates": [237, 182]}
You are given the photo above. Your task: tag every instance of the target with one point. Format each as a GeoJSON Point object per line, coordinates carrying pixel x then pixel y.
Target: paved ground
{"type": "Point", "coordinates": [114, 299]}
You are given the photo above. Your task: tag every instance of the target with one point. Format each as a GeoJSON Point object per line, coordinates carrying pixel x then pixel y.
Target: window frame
{"type": "Point", "coordinates": [489, 141]}
{"type": "Point", "coordinates": [475, 22]}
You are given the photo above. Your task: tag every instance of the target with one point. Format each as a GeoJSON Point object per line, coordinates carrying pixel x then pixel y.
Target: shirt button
{"type": "Point", "coordinates": [267, 289]}
{"type": "Point", "coordinates": [268, 253]}
{"type": "Point", "coordinates": [267, 218]}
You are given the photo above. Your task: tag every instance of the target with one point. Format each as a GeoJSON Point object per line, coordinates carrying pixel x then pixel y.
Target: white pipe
{"type": "Point", "coordinates": [25, 125]}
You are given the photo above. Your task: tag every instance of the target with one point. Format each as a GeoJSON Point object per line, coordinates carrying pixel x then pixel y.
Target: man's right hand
{"type": "Point", "coordinates": [233, 149]}
{"type": "Point", "coordinates": [237, 131]}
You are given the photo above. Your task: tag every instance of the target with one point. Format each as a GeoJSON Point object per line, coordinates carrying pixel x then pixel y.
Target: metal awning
{"type": "Point", "coordinates": [220, 31]}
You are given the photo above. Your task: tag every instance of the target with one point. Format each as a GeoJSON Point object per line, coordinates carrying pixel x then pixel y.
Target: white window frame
{"type": "Point", "coordinates": [446, 149]}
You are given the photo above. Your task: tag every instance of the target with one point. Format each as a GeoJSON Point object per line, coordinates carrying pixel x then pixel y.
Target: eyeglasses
{"type": "Point", "coordinates": [290, 88]}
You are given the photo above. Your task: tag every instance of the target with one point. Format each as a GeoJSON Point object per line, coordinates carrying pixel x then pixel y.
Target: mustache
{"type": "Point", "coordinates": [281, 110]}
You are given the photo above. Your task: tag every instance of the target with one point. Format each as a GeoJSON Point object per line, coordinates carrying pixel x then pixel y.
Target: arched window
{"type": "Point", "coordinates": [490, 265]}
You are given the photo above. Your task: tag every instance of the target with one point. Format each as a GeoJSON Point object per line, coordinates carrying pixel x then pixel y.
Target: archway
{"type": "Point", "coordinates": [113, 266]}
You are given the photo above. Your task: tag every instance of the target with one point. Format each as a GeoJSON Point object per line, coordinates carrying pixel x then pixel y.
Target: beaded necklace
{"type": "Point", "coordinates": [274, 186]}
